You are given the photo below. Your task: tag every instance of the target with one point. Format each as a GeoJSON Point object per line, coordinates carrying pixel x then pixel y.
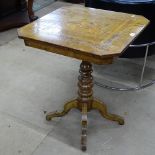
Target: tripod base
{"type": "Point", "coordinates": [85, 103]}
{"type": "Point", "coordinates": [96, 105]}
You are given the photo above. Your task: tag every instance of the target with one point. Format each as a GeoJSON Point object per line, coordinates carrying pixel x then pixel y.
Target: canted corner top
{"type": "Point", "coordinates": [87, 30]}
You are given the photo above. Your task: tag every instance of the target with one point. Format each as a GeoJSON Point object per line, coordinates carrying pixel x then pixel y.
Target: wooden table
{"type": "Point", "coordinates": [91, 35]}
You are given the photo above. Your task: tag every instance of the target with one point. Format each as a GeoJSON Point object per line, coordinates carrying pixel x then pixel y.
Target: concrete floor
{"type": "Point", "coordinates": [33, 81]}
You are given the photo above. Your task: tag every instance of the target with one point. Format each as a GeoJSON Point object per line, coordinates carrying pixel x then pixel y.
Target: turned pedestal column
{"type": "Point", "coordinates": [85, 102]}
{"type": "Point", "coordinates": [91, 35]}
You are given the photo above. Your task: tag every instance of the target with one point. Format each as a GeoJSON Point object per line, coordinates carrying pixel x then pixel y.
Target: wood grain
{"type": "Point", "coordinates": [96, 32]}
{"type": "Point", "coordinates": [91, 35]}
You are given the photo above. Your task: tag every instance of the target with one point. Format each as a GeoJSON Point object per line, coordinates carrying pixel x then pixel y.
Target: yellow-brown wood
{"type": "Point", "coordinates": [67, 107]}
{"type": "Point", "coordinates": [102, 108]}
{"type": "Point", "coordinates": [91, 35]}
{"type": "Point", "coordinates": [85, 102]}
{"type": "Point", "coordinates": [84, 33]}
{"type": "Point", "coordinates": [68, 52]}
{"type": "Point", "coordinates": [84, 124]}
{"type": "Point", "coordinates": [96, 105]}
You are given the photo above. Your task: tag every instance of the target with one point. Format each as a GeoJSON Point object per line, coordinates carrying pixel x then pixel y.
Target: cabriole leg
{"type": "Point", "coordinates": [67, 107]}
{"type": "Point", "coordinates": [101, 107]}
{"type": "Point", "coordinates": [84, 123]}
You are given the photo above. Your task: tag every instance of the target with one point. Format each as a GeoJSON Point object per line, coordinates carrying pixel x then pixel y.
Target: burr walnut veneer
{"type": "Point", "coordinates": [90, 35]}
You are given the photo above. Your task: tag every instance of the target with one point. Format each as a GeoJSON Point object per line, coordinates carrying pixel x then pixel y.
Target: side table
{"type": "Point", "coordinates": [90, 35]}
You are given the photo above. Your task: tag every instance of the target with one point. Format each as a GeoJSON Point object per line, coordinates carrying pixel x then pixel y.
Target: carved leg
{"type": "Point", "coordinates": [67, 107]}
{"type": "Point", "coordinates": [84, 128]}
{"type": "Point", "coordinates": [85, 102]}
{"type": "Point", "coordinates": [30, 11]}
{"type": "Point", "coordinates": [85, 98]}
{"type": "Point", "coordinates": [101, 107]}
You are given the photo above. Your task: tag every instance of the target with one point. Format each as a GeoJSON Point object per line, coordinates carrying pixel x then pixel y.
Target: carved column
{"type": "Point", "coordinates": [85, 98]}
{"type": "Point", "coordinates": [85, 85]}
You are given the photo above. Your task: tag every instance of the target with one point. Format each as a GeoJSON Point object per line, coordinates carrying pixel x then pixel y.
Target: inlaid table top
{"type": "Point", "coordinates": [84, 33]}
{"type": "Point", "coordinates": [91, 35]}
